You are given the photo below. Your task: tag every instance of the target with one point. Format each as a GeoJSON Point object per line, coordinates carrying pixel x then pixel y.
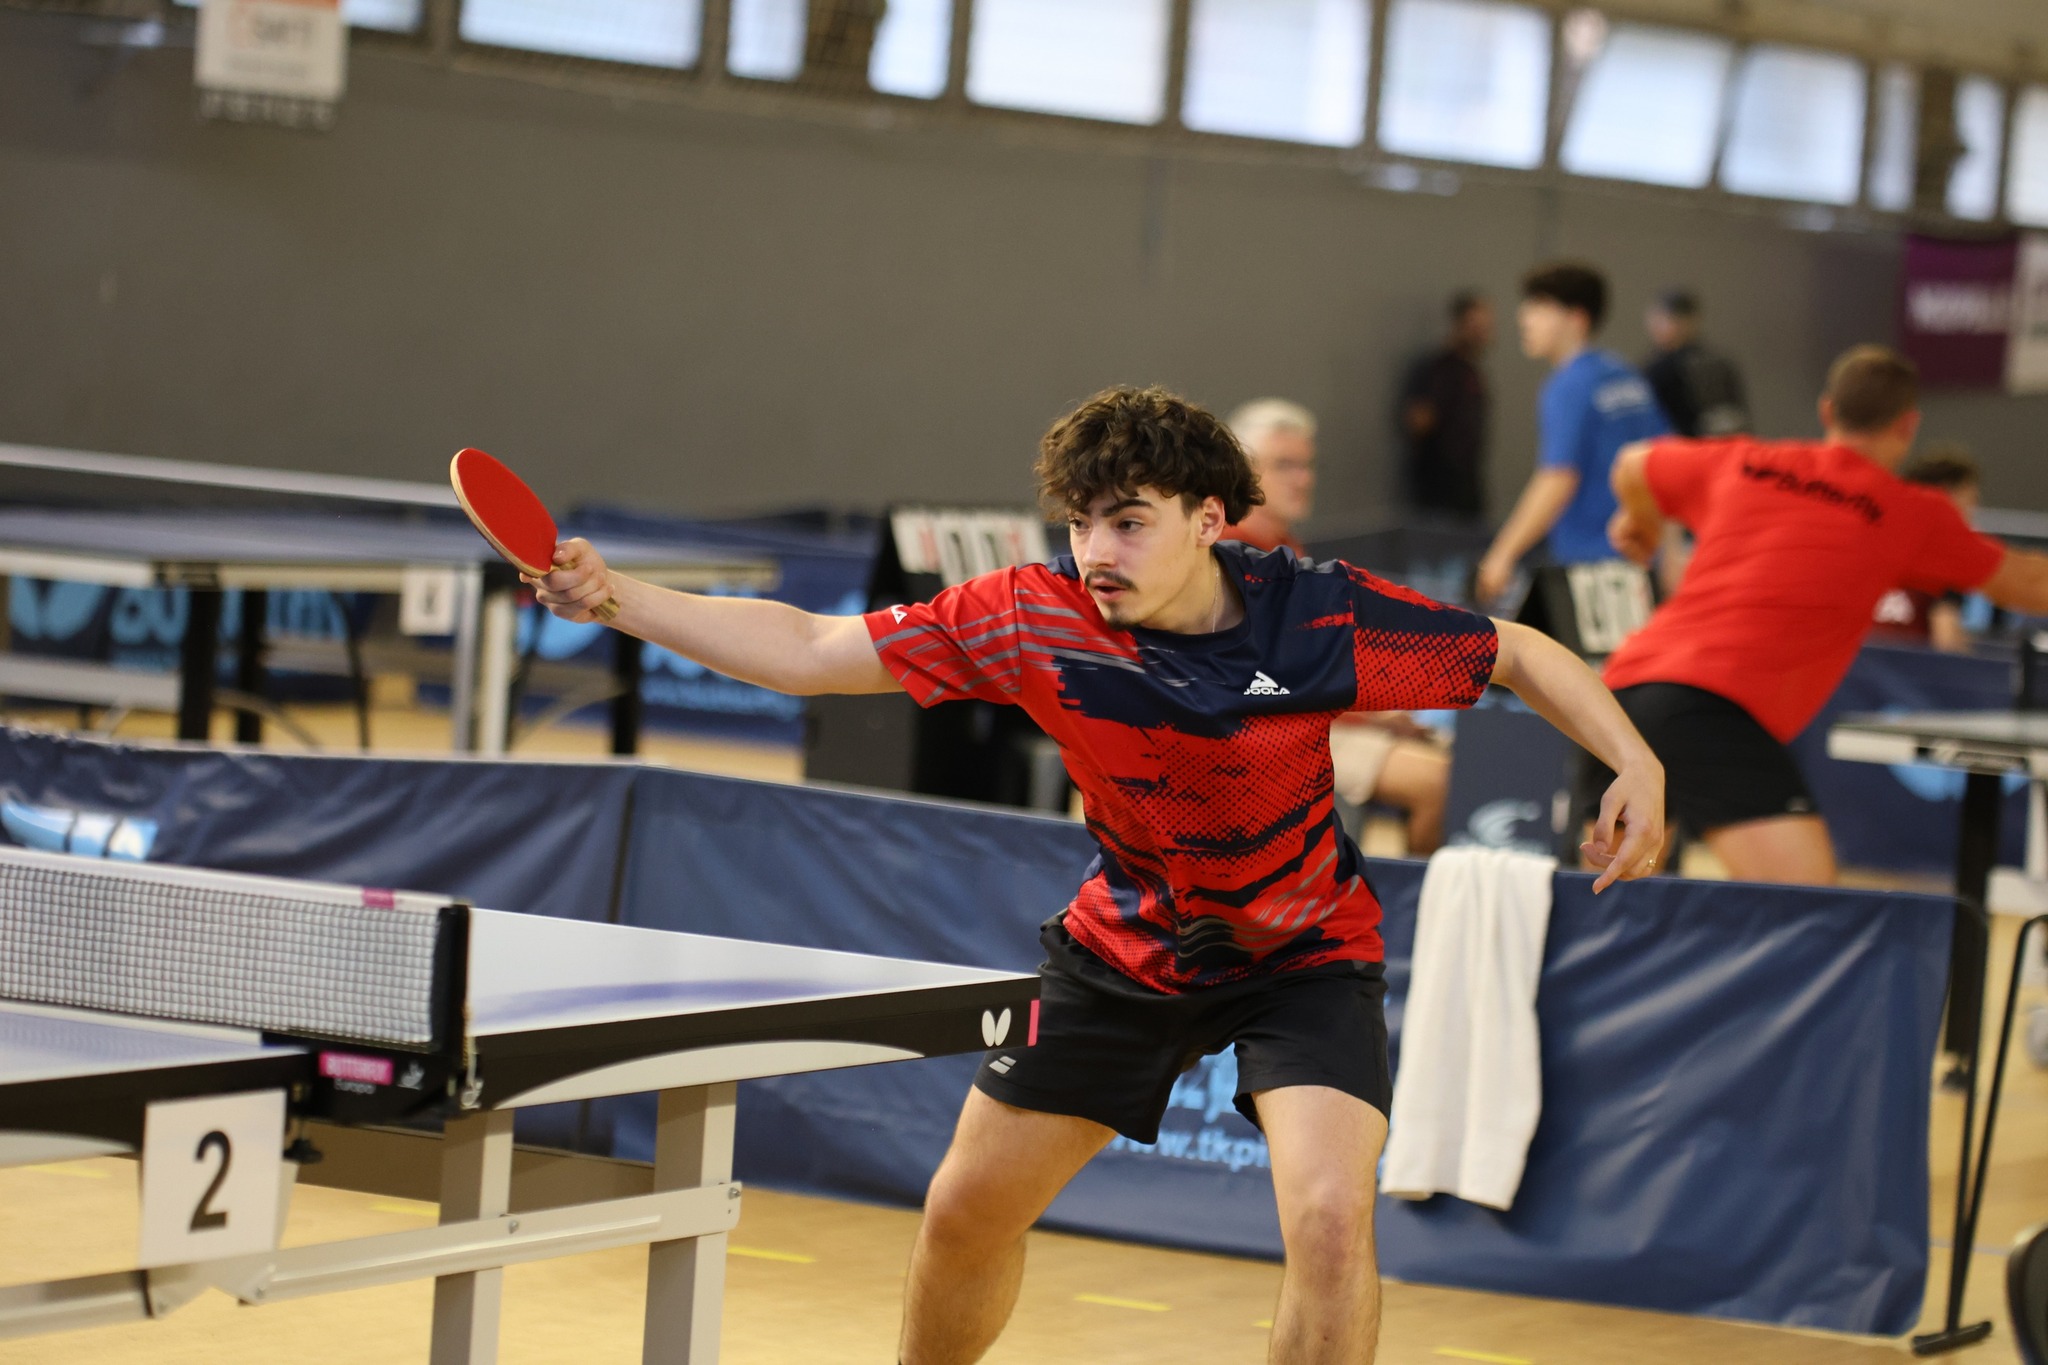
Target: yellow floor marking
{"type": "Point", "coordinates": [416, 1207]}
{"type": "Point", "coordinates": [1489, 1357]}
{"type": "Point", "coordinates": [761, 1254]}
{"type": "Point", "coordinates": [68, 1168]}
{"type": "Point", "coordinates": [1142, 1305]}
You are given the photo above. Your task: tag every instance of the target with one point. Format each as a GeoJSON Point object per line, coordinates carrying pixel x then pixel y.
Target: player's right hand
{"type": "Point", "coordinates": [577, 584]}
{"type": "Point", "coordinates": [1631, 538]}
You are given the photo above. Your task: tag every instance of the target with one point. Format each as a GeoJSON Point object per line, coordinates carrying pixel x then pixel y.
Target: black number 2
{"type": "Point", "coordinates": [206, 1216]}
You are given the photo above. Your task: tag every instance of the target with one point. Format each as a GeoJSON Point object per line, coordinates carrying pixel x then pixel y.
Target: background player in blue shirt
{"type": "Point", "coordinates": [1593, 404]}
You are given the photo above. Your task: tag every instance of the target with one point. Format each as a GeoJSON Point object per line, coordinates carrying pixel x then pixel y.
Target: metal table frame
{"type": "Point", "coordinates": [1986, 746]}
{"type": "Point", "coordinates": [486, 629]}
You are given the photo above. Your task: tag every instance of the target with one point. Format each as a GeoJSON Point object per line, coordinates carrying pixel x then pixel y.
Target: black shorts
{"type": "Point", "coordinates": [1109, 1049]}
{"type": "Point", "coordinates": [1720, 766]}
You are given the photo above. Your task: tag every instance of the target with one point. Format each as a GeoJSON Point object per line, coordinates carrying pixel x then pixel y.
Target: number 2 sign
{"type": "Point", "coordinates": [210, 1177]}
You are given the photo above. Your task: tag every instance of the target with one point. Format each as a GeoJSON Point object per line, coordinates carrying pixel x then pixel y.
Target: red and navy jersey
{"type": "Point", "coordinates": [1203, 760]}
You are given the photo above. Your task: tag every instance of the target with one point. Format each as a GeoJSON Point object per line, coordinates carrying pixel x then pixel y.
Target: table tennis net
{"type": "Point", "coordinates": [301, 958]}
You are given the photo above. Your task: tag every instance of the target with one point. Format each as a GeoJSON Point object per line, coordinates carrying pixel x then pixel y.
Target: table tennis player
{"type": "Point", "coordinates": [1796, 542]}
{"type": "Point", "coordinates": [1191, 685]}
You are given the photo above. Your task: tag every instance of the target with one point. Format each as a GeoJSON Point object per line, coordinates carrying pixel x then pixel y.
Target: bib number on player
{"type": "Point", "coordinates": [1611, 601]}
{"type": "Point", "coordinates": [211, 1170]}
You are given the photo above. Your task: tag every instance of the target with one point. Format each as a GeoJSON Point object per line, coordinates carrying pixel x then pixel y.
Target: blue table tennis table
{"type": "Point", "coordinates": [209, 529]}
{"type": "Point", "coordinates": [436, 1013]}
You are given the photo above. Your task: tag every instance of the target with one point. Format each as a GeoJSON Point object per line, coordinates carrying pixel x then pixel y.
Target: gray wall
{"type": "Point", "coordinates": [710, 311]}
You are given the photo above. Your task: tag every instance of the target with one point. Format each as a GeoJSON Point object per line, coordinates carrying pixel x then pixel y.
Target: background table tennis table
{"type": "Point", "coordinates": [559, 1010]}
{"type": "Point", "coordinates": [209, 529]}
{"type": "Point", "coordinates": [1987, 747]}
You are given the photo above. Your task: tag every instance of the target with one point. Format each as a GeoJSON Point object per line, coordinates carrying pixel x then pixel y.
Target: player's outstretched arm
{"type": "Point", "coordinates": [1559, 687]}
{"type": "Point", "coordinates": [770, 644]}
{"type": "Point", "coordinates": [2020, 583]}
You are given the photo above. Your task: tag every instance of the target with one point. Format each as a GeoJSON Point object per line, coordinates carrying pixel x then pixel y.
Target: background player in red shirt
{"type": "Point", "coordinates": [1191, 686]}
{"type": "Point", "coordinates": [1796, 543]}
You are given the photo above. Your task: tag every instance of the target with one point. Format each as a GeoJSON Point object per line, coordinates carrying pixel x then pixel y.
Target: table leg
{"type": "Point", "coordinates": [198, 657]}
{"type": "Point", "coordinates": [626, 656]}
{"type": "Point", "coordinates": [249, 671]}
{"type": "Point", "coordinates": [1976, 853]}
{"type": "Point", "coordinates": [476, 1182]}
{"type": "Point", "coordinates": [462, 675]}
{"type": "Point", "coordinates": [498, 653]}
{"type": "Point", "coordinates": [686, 1278]}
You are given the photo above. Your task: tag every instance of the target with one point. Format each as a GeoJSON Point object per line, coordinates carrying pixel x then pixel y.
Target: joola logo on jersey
{"type": "Point", "coordinates": [1263, 686]}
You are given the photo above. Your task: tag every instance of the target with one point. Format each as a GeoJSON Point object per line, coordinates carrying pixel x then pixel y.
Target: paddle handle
{"type": "Point", "coordinates": [606, 611]}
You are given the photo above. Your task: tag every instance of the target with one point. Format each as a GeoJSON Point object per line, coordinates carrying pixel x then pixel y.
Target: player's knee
{"type": "Point", "coordinates": [1330, 1235]}
{"type": "Point", "coordinates": [962, 1209]}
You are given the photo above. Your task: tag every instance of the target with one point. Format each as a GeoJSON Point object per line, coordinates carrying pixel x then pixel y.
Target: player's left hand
{"type": "Point", "coordinates": [1629, 836]}
{"type": "Point", "coordinates": [1492, 579]}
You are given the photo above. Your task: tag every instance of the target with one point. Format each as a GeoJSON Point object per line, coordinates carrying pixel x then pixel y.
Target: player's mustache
{"type": "Point", "coordinates": [1108, 580]}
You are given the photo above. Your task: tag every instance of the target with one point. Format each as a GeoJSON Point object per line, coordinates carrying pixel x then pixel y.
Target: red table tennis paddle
{"type": "Point", "coordinates": [510, 516]}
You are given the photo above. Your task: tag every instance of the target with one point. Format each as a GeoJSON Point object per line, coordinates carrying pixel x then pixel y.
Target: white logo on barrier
{"type": "Point", "coordinates": [88, 834]}
{"type": "Point", "coordinates": [994, 1028]}
{"type": "Point", "coordinates": [1263, 686]}
{"type": "Point", "coordinates": [1497, 824]}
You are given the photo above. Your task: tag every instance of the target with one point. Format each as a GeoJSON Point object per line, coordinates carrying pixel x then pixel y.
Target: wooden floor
{"type": "Point", "coordinates": [820, 1281]}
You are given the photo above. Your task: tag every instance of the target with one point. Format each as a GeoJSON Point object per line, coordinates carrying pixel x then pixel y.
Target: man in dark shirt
{"type": "Point", "coordinates": [1699, 389]}
{"type": "Point", "coordinates": [1443, 417]}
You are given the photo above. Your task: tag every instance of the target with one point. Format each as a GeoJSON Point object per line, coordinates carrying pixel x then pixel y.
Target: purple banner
{"type": "Point", "coordinates": [1956, 308]}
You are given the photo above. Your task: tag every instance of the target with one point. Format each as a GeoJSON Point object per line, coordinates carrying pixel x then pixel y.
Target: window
{"type": "Point", "coordinates": [1797, 126]}
{"type": "Point", "coordinates": [1649, 107]}
{"type": "Point", "coordinates": [1980, 123]}
{"type": "Point", "coordinates": [1466, 80]}
{"type": "Point", "coordinates": [1101, 59]}
{"type": "Point", "coordinates": [2026, 183]}
{"type": "Point", "coordinates": [396, 16]}
{"type": "Point", "coordinates": [912, 48]}
{"type": "Point", "coordinates": [1898, 140]}
{"type": "Point", "coordinates": [393, 16]}
{"type": "Point", "coordinates": [648, 32]}
{"type": "Point", "coordinates": [765, 39]}
{"type": "Point", "coordinates": [1287, 69]}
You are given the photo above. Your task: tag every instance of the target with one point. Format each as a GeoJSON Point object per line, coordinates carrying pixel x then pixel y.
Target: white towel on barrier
{"type": "Point", "coordinates": [1470, 1085]}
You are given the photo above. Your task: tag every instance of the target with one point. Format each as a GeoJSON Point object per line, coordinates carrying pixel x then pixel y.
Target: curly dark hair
{"type": "Point", "coordinates": [1127, 438]}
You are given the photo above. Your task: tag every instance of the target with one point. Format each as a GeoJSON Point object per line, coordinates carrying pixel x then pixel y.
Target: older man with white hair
{"type": "Point", "coordinates": [1383, 757]}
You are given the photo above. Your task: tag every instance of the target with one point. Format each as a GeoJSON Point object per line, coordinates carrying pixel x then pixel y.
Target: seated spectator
{"type": "Point", "coordinates": [1907, 613]}
{"type": "Point", "coordinates": [1384, 757]}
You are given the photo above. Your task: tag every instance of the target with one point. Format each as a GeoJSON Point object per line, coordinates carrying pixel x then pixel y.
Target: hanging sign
{"type": "Point", "coordinates": [272, 61]}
